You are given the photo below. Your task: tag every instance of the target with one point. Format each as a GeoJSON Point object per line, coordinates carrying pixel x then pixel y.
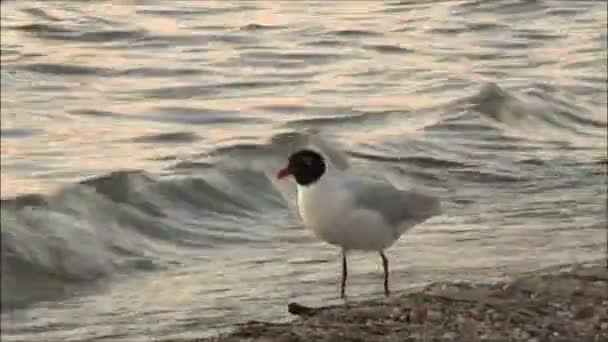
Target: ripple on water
{"type": "Point", "coordinates": [168, 138]}
{"type": "Point", "coordinates": [19, 132]}
{"type": "Point", "coordinates": [66, 69]}
{"type": "Point", "coordinates": [390, 49]}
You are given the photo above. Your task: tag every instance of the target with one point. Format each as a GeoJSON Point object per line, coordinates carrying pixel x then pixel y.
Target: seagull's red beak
{"type": "Point", "coordinates": [284, 172]}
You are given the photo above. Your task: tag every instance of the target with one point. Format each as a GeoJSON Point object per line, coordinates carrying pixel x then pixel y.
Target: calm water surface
{"type": "Point", "coordinates": [140, 139]}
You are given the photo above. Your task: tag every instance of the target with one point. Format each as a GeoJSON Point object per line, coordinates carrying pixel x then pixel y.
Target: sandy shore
{"type": "Point", "coordinates": [567, 304]}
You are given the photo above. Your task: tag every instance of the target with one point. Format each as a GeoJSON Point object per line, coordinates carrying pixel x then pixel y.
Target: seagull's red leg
{"type": "Point", "coordinates": [344, 275]}
{"type": "Point", "coordinates": [385, 265]}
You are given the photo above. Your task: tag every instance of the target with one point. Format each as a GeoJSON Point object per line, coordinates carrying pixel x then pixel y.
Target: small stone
{"type": "Point", "coordinates": [434, 315]}
{"type": "Point", "coordinates": [584, 312]}
{"type": "Point", "coordinates": [496, 316]}
{"type": "Point", "coordinates": [517, 333]}
{"type": "Point", "coordinates": [286, 337]}
{"type": "Point", "coordinates": [420, 315]}
{"type": "Point", "coordinates": [477, 313]}
{"type": "Point", "coordinates": [470, 327]}
{"type": "Point", "coordinates": [533, 339]}
{"type": "Point", "coordinates": [604, 326]}
{"type": "Point", "coordinates": [449, 336]}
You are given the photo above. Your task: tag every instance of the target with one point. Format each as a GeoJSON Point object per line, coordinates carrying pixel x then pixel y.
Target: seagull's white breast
{"type": "Point", "coordinates": [328, 209]}
{"type": "Point", "coordinates": [320, 208]}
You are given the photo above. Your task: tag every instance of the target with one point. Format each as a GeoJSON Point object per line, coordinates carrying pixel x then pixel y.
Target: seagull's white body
{"type": "Point", "coordinates": [329, 210]}
{"type": "Point", "coordinates": [333, 209]}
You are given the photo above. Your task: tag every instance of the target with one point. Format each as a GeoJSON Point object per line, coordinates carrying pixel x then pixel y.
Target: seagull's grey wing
{"type": "Point", "coordinates": [394, 205]}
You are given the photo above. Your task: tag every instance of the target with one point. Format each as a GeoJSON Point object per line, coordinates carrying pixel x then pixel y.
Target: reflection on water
{"type": "Point", "coordinates": [498, 107]}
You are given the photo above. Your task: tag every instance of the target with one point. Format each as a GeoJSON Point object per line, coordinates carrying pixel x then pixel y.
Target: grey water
{"type": "Point", "coordinates": [140, 140]}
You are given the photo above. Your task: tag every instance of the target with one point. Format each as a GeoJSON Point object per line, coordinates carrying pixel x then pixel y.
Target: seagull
{"type": "Point", "coordinates": [354, 214]}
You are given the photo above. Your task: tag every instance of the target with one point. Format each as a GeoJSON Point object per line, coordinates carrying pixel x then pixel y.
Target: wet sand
{"type": "Point", "coordinates": [560, 304]}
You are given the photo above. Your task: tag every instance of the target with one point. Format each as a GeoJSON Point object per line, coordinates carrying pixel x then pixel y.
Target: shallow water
{"type": "Point", "coordinates": [139, 144]}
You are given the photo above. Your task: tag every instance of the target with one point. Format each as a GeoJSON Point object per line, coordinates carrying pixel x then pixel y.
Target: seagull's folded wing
{"type": "Point", "coordinates": [397, 207]}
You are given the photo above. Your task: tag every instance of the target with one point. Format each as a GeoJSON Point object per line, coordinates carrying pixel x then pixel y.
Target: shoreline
{"type": "Point", "coordinates": [566, 303]}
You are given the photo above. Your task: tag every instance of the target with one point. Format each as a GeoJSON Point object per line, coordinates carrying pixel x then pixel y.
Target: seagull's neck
{"type": "Point", "coordinates": [330, 178]}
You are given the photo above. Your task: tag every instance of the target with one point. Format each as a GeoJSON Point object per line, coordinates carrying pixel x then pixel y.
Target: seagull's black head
{"type": "Point", "coordinates": [306, 166]}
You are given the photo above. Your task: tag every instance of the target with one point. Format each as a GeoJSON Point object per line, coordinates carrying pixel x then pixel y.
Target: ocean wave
{"type": "Point", "coordinates": [126, 221]}
{"type": "Point", "coordinates": [538, 113]}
